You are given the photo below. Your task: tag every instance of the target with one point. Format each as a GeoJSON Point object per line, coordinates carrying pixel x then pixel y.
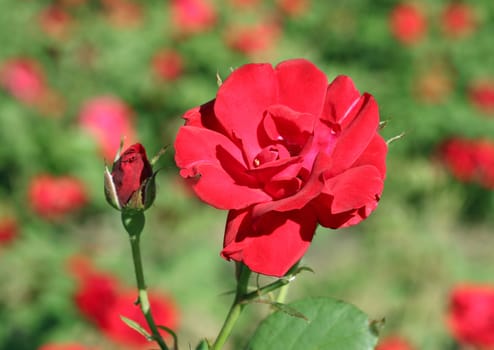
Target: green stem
{"type": "Point", "coordinates": [143, 295]}
{"type": "Point", "coordinates": [283, 294]}
{"type": "Point", "coordinates": [265, 290]}
{"type": "Point", "coordinates": [236, 308]}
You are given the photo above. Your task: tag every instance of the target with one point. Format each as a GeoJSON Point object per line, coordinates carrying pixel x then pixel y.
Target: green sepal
{"type": "Point", "coordinates": [133, 221]}
{"type": "Point", "coordinates": [137, 327]}
{"type": "Point", "coordinates": [110, 190]}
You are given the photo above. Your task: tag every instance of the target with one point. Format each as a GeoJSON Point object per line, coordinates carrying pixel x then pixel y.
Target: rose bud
{"type": "Point", "coordinates": [130, 185]}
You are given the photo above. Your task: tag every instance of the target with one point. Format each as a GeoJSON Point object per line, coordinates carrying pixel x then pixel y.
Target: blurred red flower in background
{"type": "Point", "coordinates": [24, 79]}
{"type": "Point", "coordinates": [481, 95]}
{"type": "Point", "coordinates": [167, 65]}
{"type": "Point", "coordinates": [470, 315]}
{"type": "Point", "coordinates": [407, 23]}
{"type": "Point", "coordinates": [458, 20]}
{"type": "Point", "coordinates": [458, 156]}
{"type": "Point", "coordinates": [107, 119]}
{"type": "Point", "coordinates": [164, 312]}
{"type": "Point", "coordinates": [54, 197]}
{"type": "Point", "coordinates": [253, 39]}
{"type": "Point", "coordinates": [9, 230]}
{"type": "Point", "coordinates": [293, 8]}
{"type": "Point", "coordinates": [102, 300]}
{"type": "Point", "coordinates": [63, 346]}
{"type": "Point", "coordinates": [123, 13]}
{"type": "Point", "coordinates": [469, 160]}
{"type": "Point", "coordinates": [96, 291]}
{"type": "Point", "coordinates": [433, 85]}
{"type": "Point", "coordinates": [394, 343]}
{"type": "Point", "coordinates": [192, 16]}
{"type": "Point", "coordinates": [55, 21]}
{"type": "Point", "coordinates": [244, 3]}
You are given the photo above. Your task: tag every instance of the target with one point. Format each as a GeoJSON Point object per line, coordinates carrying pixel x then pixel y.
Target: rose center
{"type": "Point", "coordinates": [270, 154]}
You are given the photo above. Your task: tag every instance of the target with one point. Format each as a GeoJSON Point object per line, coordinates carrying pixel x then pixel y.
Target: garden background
{"type": "Point", "coordinates": [77, 74]}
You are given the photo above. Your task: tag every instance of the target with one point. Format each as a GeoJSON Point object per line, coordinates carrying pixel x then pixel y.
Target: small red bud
{"type": "Point", "coordinates": [130, 185]}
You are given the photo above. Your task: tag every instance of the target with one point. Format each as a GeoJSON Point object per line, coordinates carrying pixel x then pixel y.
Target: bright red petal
{"type": "Point", "coordinates": [301, 86]}
{"type": "Point", "coordinates": [241, 101]}
{"type": "Point", "coordinates": [215, 167]}
{"type": "Point", "coordinates": [356, 137]}
{"type": "Point", "coordinates": [272, 244]}
{"type": "Point", "coordinates": [354, 188]}
{"type": "Point", "coordinates": [309, 191]}
{"type": "Point", "coordinates": [374, 154]}
{"type": "Point", "coordinates": [342, 99]}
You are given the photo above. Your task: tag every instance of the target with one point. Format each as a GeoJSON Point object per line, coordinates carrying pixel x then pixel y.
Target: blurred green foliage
{"type": "Point", "coordinates": [429, 232]}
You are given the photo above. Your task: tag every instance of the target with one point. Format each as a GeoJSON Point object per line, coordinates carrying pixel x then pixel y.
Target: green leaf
{"type": "Point", "coordinates": [287, 309]}
{"type": "Point", "coordinates": [331, 325]}
{"type": "Point", "coordinates": [136, 326]}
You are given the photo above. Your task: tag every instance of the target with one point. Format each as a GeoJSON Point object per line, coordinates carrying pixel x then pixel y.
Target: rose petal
{"type": "Point", "coordinates": [356, 137]}
{"type": "Point", "coordinates": [288, 127]}
{"type": "Point", "coordinates": [302, 86]}
{"type": "Point", "coordinates": [354, 188]}
{"type": "Point", "coordinates": [374, 154]}
{"type": "Point", "coordinates": [241, 101]}
{"type": "Point", "coordinates": [203, 116]}
{"type": "Point", "coordinates": [341, 101]}
{"type": "Point", "coordinates": [349, 198]}
{"type": "Point", "coordinates": [309, 191]}
{"type": "Point", "coordinates": [215, 168]}
{"type": "Point", "coordinates": [271, 245]}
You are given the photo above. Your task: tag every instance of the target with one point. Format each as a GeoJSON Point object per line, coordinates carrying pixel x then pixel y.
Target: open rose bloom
{"type": "Point", "coordinates": [283, 151]}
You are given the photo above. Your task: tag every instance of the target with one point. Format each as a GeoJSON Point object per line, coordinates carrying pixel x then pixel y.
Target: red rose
{"type": "Point", "coordinates": [165, 313]}
{"type": "Point", "coordinates": [167, 65]}
{"type": "Point", "coordinates": [471, 315]}
{"type": "Point", "coordinates": [283, 151]}
{"type": "Point", "coordinates": [253, 39]}
{"type": "Point", "coordinates": [131, 182]}
{"type": "Point", "coordinates": [54, 197]}
{"type": "Point", "coordinates": [457, 155]}
{"type": "Point", "coordinates": [101, 299]}
{"type": "Point", "coordinates": [433, 85]}
{"type": "Point", "coordinates": [9, 230]}
{"type": "Point", "coordinates": [469, 160]}
{"type": "Point", "coordinates": [394, 343]}
{"type": "Point", "coordinates": [55, 21]}
{"type": "Point", "coordinates": [481, 95]}
{"type": "Point", "coordinates": [107, 119]}
{"type": "Point", "coordinates": [123, 13]}
{"type": "Point", "coordinates": [408, 24]}
{"type": "Point", "coordinates": [96, 294]}
{"type": "Point", "coordinates": [458, 20]}
{"type": "Point", "coordinates": [293, 8]}
{"type": "Point", "coordinates": [192, 16]}
{"type": "Point", "coordinates": [24, 79]}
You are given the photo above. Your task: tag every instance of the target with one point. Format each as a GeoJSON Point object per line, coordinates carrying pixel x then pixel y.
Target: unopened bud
{"type": "Point", "coordinates": [131, 184]}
